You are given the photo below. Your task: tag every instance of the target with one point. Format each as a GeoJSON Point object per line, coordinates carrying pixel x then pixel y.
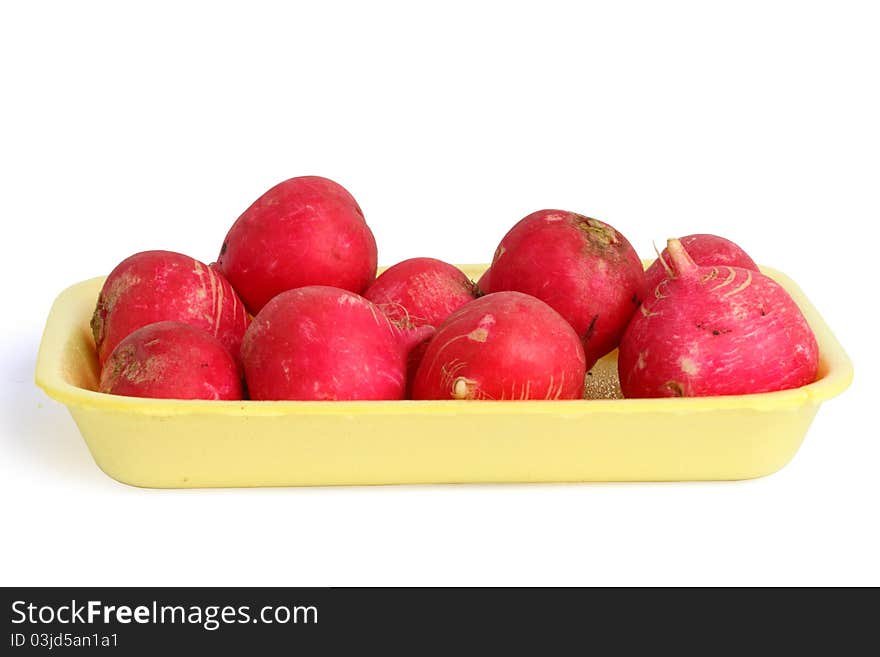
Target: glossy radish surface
{"type": "Point", "coordinates": [171, 360]}
{"type": "Point", "coordinates": [705, 250]}
{"type": "Point", "coordinates": [582, 267]}
{"type": "Point", "coordinates": [420, 292]}
{"type": "Point", "coordinates": [715, 331]}
{"type": "Point", "coordinates": [505, 345]}
{"type": "Point", "coordinates": [304, 231]}
{"type": "Point", "coordinates": [154, 286]}
{"type": "Point", "coordinates": [324, 343]}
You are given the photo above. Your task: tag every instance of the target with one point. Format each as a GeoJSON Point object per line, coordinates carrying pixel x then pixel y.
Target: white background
{"type": "Point", "coordinates": [124, 129]}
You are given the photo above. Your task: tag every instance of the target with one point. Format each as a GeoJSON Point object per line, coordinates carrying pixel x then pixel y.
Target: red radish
{"type": "Point", "coordinates": [420, 292]}
{"type": "Point", "coordinates": [304, 231]}
{"type": "Point", "coordinates": [585, 269]}
{"type": "Point", "coordinates": [324, 343]}
{"type": "Point", "coordinates": [705, 250]}
{"type": "Point", "coordinates": [715, 331]}
{"type": "Point", "coordinates": [505, 345]}
{"type": "Point", "coordinates": [171, 360]}
{"type": "Point", "coordinates": [154, 286]}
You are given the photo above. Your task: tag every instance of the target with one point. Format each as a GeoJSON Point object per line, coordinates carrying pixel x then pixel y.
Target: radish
{"type": "Point", "coordinates": [705, 250]}
{"type": "Point", "coordinates": [304, 231]}
{"type": "Point", "coordinates": [583, 268]}
{"type": "Point", "coordinates": [420, 292]}
{"type": "Point", "coordinates": [171, 360]}
{"type": "Point", "coordinates": [324, 343]}
{"type": "Point", "coordinates": [154, 286]}
{"type": "Point", "coordinates": [717, 330]}
{"type": "Point", "coordinates": [506, 345]}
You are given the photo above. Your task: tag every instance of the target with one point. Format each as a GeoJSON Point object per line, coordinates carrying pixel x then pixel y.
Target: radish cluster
{"type": "Point", "coordinates": [292, 310]}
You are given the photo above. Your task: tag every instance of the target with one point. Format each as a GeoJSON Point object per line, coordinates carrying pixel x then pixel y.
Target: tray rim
{"type": "Point", "coordinates": [60, 324]}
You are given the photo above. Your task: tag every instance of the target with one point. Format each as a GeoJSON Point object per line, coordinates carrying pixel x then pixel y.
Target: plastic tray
{"type": "Point", "coordinates": [189, 444]}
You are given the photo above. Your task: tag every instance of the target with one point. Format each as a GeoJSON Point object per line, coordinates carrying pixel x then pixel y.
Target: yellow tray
{"type": "Point", "coordinates": [188, 444]}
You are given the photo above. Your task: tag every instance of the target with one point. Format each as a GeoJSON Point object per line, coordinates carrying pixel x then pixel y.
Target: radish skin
{"type": "Point", "coordinates": [582, 267]}
{"type": "Point", "coordinates": [171, 360]}
{"type": "Point", "coordinates": [154, 286]}
{"type": "Point", "coordinates": [705, 250]}
{"type": "Point", "coordinates": [325, 343]}
{"type": "Point", "coordinates": [503, 346]}
{"type": "Point", "coordinates": [420, 292]}
{"type": "Point", "coordinates": [304, 231]}
{"type": "Point", "coordinates": [717, 330]}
